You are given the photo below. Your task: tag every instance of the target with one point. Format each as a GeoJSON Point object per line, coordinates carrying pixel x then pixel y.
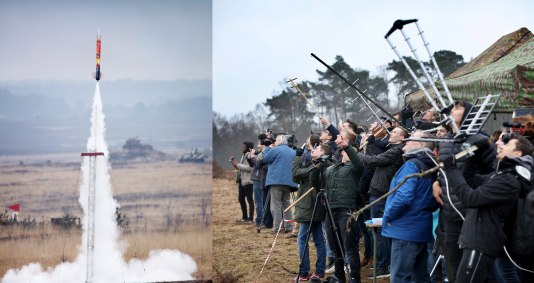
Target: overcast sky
{"type": "Point", "coordinates": [257, 45]}
{"type": "Point", "coordinates": [141, 40]}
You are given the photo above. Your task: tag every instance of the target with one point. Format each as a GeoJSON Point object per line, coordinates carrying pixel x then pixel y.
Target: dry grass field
{"type": "Point", "coordinates": [167, 204]}
{"type": "Point", "coordinates": [239, 252]}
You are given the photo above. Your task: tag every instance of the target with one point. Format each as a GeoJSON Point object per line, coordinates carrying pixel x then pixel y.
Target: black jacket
{"type": "Point", "coordinates": [386, 164]}
{"type": "Point", "coordinates": [448, 149]}
{"type": "Point", "coordinates": [488, 205]}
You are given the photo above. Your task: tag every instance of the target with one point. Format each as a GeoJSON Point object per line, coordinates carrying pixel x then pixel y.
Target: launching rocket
{"type": "Point", "coordinates": [97, 73]}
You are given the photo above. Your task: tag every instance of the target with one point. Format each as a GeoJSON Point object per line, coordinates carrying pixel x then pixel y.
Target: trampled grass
{"type": "Point", "coordinates": [167, 204]}
{"type": "Point", "coordinates": [240, 253]}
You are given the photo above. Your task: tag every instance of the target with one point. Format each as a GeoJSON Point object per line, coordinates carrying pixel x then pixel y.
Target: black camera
{"type": "Point", "coordinates": [322, 160]}
{"type": "Point", "coordinates": [291, 141]}
{"type": "Point", "coordinates": [516, 127]}
{"type": "Point", "coordinates": [266, 139]}
{"type": "Point", "coordinates": [512, 125]}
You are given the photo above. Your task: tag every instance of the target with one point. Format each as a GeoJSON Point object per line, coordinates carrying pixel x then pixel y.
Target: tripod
{"type": "Point", "coordinates": [265, 204]}
{"type": "Point", "coordinates": [334, 229]}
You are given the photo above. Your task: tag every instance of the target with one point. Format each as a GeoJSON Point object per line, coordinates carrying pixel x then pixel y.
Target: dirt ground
{"type": "Point", "coordinates": [239, 252]}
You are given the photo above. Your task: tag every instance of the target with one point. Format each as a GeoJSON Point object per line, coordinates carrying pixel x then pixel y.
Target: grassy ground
{"type": "Point", "coordinates": [168, 205]}
{"type": "Point", "coordinates": [239, 252]}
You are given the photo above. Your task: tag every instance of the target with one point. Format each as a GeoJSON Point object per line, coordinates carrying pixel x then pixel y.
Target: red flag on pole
{"type": "Point", "coordinates": [15, 207]}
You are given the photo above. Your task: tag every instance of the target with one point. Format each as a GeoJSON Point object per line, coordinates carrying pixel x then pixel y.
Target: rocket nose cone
{"type": "Point", "coordinates": [98, 34]}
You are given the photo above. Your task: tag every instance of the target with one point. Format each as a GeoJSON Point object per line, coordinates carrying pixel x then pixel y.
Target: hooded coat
{"type": "Point", "coordinates": [408, 213]}
{"type": "Point", "coordinates": [449, 149]}
{"type": "Point", "coordinates": [490, 203]}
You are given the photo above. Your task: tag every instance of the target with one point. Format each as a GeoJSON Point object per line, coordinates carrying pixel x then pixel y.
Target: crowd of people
{"type": "Point", "coordinates": [463, 222]}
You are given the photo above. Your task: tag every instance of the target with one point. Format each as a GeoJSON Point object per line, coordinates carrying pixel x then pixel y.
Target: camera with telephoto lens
{"type": "Point", "coordinates": [512, 125]}
{"type": "Point", "coordinates": [266, 139]}
{"type": "Point", "coordinates": [322, 161]}
{"type": "Point", "coordinates": [516, 127]}
{"type": "Point", "coordinates": [291, 141]}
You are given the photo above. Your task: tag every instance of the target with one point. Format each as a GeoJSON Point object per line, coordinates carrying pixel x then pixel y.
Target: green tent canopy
{"type": "Point", "coordinates": [506, 67]}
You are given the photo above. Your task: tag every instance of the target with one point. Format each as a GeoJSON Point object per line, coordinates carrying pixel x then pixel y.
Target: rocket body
{"type": "Point", "coordinates": [97, 73]}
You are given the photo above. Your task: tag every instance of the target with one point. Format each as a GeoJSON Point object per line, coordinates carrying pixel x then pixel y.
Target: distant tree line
{"type": "Point", "coordinates": [287, 111]}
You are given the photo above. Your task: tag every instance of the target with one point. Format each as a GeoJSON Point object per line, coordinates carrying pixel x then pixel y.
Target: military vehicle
{"type": "Point", "coordinates": [192, 157]}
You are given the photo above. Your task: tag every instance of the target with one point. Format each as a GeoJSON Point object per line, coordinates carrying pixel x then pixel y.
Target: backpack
{"type": "Point", "coordinates": [522, 233]}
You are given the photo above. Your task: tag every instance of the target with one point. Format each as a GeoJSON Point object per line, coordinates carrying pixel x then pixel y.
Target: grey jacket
{"type": "Point", "coordinates": [244, 170]}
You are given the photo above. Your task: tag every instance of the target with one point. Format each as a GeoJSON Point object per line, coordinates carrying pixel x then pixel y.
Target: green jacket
{"type": "Point", "coordinates": [342, 181]}
{"type": "Point", "coordinates": [304, 208]}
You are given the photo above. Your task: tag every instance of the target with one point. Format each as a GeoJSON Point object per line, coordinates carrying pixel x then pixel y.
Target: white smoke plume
{"type": "Point", "coordinates": [109, 265]}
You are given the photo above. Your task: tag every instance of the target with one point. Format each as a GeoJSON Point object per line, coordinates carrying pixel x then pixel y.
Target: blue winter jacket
{"type": "Point", "coordinates": [408, 212]}
{"type": "Point", "coordinates": [280, 160]}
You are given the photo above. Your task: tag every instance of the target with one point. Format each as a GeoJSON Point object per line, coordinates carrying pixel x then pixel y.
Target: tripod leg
{"type": "Point", "coordinates": [265, 203]}
{"type": "Point", "coordinates": [338, 243]}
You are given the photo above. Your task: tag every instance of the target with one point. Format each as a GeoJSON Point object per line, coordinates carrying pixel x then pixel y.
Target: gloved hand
{"type": "Point", "coordinates": [299, 151]}
{"type": "Point", "coordinates": [484, 158]}
{"type": "Point", "coordinates": [480, 141]}
{"type": "Point", "coordinates": [370, 139]}
{"type": "Point", "coordinates": [447, 110]}
{"type": "Point", "coordinates": [406, 113]}
{"type": "Point", "coordinates": [449, 162]}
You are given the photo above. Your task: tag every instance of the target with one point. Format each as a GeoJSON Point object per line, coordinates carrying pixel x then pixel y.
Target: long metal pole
{"type": "Point", "coordinates": [417, 81]}
{"type": "Point", "coordinates": [422, 66]}
{"type": "Point", "coordinates": [399, 24]}
{"type": "Point", "coordinates": [303, 95]}
{"type": "Point", "coordinates": [438, 70]}
{"type": "Point", "coordinates": [358, 90]}
{"type": "Point", "coordinates": [368, 106]}
{"type": "Point", "coordinates": [91, 219]}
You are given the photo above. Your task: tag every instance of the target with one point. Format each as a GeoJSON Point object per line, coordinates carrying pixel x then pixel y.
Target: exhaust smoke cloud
{"type": "Point", "coordinates": [109, 264]}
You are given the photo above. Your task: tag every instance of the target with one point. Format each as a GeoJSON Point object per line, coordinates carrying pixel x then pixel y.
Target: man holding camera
{"type": "Point", "coordinates": [342, 194]}
{"type": "Point", "coordinates": [386, 164]}
{"type": "Point", "coordinates": [302, 165]}
{"type": "Point", "coordinates": [256, 176]}
{"type": "Point", "coordinates": [279, 156]}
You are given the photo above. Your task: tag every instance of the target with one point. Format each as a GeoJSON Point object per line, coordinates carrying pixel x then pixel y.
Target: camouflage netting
{"type": "Point", "coordinates": [506, 67]}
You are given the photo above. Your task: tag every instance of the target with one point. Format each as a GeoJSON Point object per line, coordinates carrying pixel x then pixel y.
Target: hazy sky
{"type": "Point", "coordinates": [259, 44]}
{"type": "Point", "coordinates": [141, 40]}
